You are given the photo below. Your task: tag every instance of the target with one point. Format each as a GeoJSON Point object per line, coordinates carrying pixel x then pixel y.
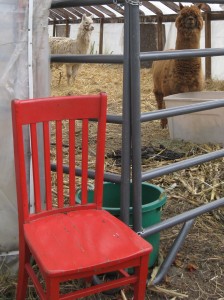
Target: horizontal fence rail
{"type": "Point", "coordinates": [157, 172]}
{"type": "Point", "coordinates": [195, 1]}
{"type": "Point", "coordinates": [182, 218]}
{"type": "Point", "coordinates": [177, 166]}
{"type": "Point", "coordinates": [144, 56]}
{"type": "Point", "coordinates": [173, 54]}
{"type": "Point", "coordinates": [110, 177]}
{"type": "Point", "coordinates": [87, 58]}
{"type": "Point", "coordinates": [170, 112]}
{"type": "Point", "coordinates": [181, 110]}
{"type": "Point", "coordinates": [75, 3]}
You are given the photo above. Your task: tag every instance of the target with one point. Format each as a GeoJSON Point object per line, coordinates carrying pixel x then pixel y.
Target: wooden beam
{"type": "Point", "coordinates": [54, 15]}
{"type": "Point", "coordinates": [70, 15]}
{"type": "Point", "coordinates": [94, 11]}
{"type": "Point", "coordinates": [152, 8]}
{"type": "Point", "coordinates": [105, 11]}
{"type": "Point", "coordinates": [116, 8]}
{"type": "Point", "coordinates": [62, 13]}
{"type": "Point", "coordinates": [77, 12]}
{"type": "Point", "coordinates": [173, 6]}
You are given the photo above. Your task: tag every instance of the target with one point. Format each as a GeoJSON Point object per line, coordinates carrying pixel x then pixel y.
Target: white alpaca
{"type": "Point", "coordinates": [80, 45]}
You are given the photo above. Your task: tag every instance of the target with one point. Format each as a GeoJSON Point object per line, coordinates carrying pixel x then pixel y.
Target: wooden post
{"type": "Point", "coordinates": [208, 60]}
{"type": "Point", "coordinates": [67, 29]}
{"type": "Point", "coordinates": [54, 28]}
{"type": "Point", "coordinates": [101, 36]}
{"type": "Point", "coordinates": [160, 33]}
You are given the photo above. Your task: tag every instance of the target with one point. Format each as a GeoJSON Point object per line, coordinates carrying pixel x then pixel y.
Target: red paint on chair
{"type": "Point", "coordinates": [68, 240]}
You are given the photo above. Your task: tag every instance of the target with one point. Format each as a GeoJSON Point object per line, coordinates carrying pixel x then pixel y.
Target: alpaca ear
{"type": "Point", "coordinates": [181, 6]}
{"type": "Point", "coordinates": [200, 5]}
{"type": "Point", "coordinates": [92, 16]}
{"type": "Point", "coordinates": [84, 16]}
{"type": "Point", "coordinates": [204, 6]}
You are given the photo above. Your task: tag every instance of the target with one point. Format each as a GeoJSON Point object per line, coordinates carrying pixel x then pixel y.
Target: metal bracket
{"type": "Point", "coordinates": [140, 233]}
{"type": "Point", "coordinates": [133, 2]}
{"type": "Point", "coordinates": [119, 5]}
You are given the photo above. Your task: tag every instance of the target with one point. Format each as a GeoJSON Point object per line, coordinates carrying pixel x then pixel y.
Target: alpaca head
{"type": "Point", "coordinates": [189, 19]}
{"type": "Point", "coordinates": [87, 22]}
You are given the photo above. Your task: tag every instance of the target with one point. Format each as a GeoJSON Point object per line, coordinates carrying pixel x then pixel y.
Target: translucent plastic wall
{"type": "Point", "coordinates": [24, 73]}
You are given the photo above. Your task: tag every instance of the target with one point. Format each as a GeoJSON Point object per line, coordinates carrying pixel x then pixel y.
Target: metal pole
{"type": "Point", "coordinates": [126, 128]}
{"type": "Point", "coordinates": [173, 252]}
{"type": "Point", "coordinates": [181, 218]}
{"type": "Point", "coordinates": [173, 54]}
{"type": "Point", "coordinates": [190, 162]}
{"type": "Point", "coordinates": [111, 177]}
{"type": "Point", "coordinates": [75, 3]}
{"type": "Point", "coordinates": [135, 114]}
{"type": "Point", "coordinates": [181, 110]}
{"type": "Point", "coordinates": [86, 58]}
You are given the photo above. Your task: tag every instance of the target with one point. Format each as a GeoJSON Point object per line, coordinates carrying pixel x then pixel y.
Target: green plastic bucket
{"type": "Point", "coordinates": [153, 199]}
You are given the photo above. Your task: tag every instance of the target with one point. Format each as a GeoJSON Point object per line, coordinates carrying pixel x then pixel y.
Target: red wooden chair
{"type": "Point", "coordinates": [67, 240]}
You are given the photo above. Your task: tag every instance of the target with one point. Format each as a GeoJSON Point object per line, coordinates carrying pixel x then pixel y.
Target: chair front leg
{"type": "Point", "coordinates": [24, 258]}
{"type": "Point", "coordinates": [142, 273]}
{"type": "Point", "coordinates": [52, 289]}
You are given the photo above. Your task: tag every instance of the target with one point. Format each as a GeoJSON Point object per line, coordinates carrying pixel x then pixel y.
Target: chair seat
{"type": "Point", "coordinates": [82, 240]}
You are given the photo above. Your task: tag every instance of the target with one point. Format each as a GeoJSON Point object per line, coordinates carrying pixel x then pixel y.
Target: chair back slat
{"type": "Point", "coordinates": [60, 142]}
{"type": "Point", "coordinates": [59, 155]}
{"type": "Point", "coordinates": [47, 163]}
{"type": "Point", "coordinates": [85, 140]}
{"type": "Point", "coordinates": [72, 180]}
{"type": "Point", "coordinates": [35, 168]}
{"type": "Point", "coordinates": [100, 153]}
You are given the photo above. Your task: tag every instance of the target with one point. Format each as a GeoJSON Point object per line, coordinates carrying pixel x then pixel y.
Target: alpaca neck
{"type": "Point", "coordinates": [191, 41]}
{"type": "Point", "coordinates": [84, 39]}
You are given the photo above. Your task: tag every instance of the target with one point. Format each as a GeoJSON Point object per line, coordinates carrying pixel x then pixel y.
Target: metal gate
{"type": "Point", "coordinates": [131, 124]}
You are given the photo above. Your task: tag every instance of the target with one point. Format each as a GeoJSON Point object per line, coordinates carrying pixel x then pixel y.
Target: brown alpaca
{"type": "Point", "coordinates": [184, 74]}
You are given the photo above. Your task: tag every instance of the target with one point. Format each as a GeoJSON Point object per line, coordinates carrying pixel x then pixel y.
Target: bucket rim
{"type": "Point", "coordinates": [158, 203]}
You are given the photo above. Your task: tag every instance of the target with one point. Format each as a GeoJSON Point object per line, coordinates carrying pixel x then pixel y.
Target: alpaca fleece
{"type": "Point", "coordinates": [184, 74]}
{"type": "Point", "coordinates": [80, 45]}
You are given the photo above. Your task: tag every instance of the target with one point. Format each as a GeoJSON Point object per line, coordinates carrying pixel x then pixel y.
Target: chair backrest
{"type": "Point", "coordinates": [61, 131]}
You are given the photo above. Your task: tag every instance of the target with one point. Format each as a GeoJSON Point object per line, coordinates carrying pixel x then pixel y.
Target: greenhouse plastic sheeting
{"type": "Point", "coordinates": [15, 82]}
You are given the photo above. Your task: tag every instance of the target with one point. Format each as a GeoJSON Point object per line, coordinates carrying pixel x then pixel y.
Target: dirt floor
{"type": "Point", "coordinates": [198, 269]}
{"type": "Point", "coordinates": [197, 272]}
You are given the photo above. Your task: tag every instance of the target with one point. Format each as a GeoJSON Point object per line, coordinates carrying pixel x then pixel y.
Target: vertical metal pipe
{"type": "Point", "coordinates": [135, 114]}
{"type": "Point", "coordinates": [208, 60]}
{"type": "Point", "coordinates": [126, 128]}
